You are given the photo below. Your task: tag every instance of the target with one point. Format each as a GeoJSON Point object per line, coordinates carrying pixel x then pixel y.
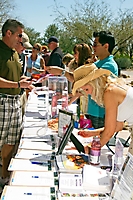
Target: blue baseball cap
{"type": "Point", "coordinates": [53, 39]}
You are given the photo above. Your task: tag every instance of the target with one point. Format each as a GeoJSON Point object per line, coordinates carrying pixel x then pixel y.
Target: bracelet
{"type": "Point", "coordinates": [18, 84]}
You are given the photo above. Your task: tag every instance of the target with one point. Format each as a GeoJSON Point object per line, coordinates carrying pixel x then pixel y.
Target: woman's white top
{"type": "Point", "coordinates": [125, 109]}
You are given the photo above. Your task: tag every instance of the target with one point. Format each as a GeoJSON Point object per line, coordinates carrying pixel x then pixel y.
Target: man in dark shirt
{"type": "Point", "coordinates": [56, 54]}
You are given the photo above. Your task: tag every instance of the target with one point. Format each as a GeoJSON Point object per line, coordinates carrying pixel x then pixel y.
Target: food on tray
{"type": "Point", "coordinates": [78, 160]}
{"type": "Point", "coordinates": [53, 124]}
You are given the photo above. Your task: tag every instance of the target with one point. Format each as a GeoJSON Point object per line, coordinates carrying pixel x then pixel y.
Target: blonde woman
{"type": "Point", "coordinates": [110, 92]}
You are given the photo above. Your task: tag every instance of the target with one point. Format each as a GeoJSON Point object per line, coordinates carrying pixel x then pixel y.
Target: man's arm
{"type": "Point", "coordinates": [11, 84]}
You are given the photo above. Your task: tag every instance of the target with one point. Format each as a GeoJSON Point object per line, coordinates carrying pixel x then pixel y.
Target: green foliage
{"type": "Point", "coordinates": [6, 10]}
{"type": "Point", "coordinates": [84, 18]}
{"type": "Point", "coordinates": [77, 24]}
{"type": "Point", "coordinates": [33, 36]}
{"type": "Point", "coordinates": [52, 30]}
{"type": "Point", "coordinates": [123, 62]}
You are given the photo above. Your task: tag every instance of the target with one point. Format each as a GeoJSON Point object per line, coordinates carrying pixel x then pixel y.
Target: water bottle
{"type": "Point", "coordinates": [118, 157]}
{"type": "Point", "coordinates": [95, 151]}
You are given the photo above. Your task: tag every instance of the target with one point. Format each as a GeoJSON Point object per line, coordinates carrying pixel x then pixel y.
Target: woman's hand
{"type": "Point", "coordinates": [54, 70]}
{"type": "Point", "coordinates": [85, 133]}
{"type": "Point", "coordinates": [87, 149]}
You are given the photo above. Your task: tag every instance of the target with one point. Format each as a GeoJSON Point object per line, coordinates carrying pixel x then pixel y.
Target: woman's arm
{"type": "Point", "coordinates": [42, 64]}
{"type": "Point", "coordinates": [111, 100]}
{"type": "Point", "coordinates": [58, 71]}
{"type": "Point", "coordinates": [90, 133]}
{"type": "Point", "coordinates": [111, 124]}
{"type": "Point", "coordinates": [74, 98]}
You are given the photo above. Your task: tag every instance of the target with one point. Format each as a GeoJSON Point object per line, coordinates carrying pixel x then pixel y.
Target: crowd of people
{"type": "Point", "coordinates": [108, 95]}
{"type": "Point", "coordinates": [91, 73]}
{"type": "Point", "coordinates": [16, 72]}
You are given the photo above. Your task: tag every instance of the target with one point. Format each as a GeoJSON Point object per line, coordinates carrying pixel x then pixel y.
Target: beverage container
{"type": "Point", "coordinates": [58, 90]}
{"type": "Point", "coordinates": [118, 157]}
{"type": "Point", "coordinates": [81, 116]}
{"type": "Point", "coordinates": [76, 123]}
{"type": "Point", "coordinates": [95, 151]}
{"type": "Point", "coordinates": [54, 105]}
{"type": "Point", "coordinates": [78, 109]}
{"type": "Point", "coordinates": [65, 100]}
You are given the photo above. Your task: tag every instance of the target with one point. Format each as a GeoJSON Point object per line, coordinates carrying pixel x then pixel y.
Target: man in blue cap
{"type": "Point", "coordinates": [56, 52]}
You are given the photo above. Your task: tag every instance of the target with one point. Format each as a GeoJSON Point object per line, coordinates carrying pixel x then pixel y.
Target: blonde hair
{"type": "Point", "coordinates": [100, 84]}
{"type": "Point", "coordinates": [67, 58]}
{"type": "Point", "coordinates": [39, 46]}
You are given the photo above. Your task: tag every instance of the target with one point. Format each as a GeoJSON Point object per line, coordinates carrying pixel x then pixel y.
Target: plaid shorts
{"type": "Point", "coordinates": [10, 119]}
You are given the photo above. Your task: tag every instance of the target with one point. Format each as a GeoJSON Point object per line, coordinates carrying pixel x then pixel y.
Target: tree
{"type": "Point", "coordinates": [82, 20]}
{"type": "Point", "coordinates": [66, 43]}
{"type": "Point", "coordinates": [123, 30]}
{"type": "Point", "coordinates": [33, 36]}
{"type": "Point", "coordinates": [52, 30]}
{"type": "Point", "coordinates": [6, 8]}
{"type": "Point", "coordinates": [85, 18]}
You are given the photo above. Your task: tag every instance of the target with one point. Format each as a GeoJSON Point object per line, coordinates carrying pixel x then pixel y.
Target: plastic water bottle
{"type": "Point", "coordinates": [118, 157]}
{"type": "Point", "coordinates": [95, 151]}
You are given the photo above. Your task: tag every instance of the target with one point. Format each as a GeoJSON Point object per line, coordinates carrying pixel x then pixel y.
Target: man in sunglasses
{"type": "Point", "coordinates": [103, 46]}
{"type": "Point", "coordinates": [11, 75]}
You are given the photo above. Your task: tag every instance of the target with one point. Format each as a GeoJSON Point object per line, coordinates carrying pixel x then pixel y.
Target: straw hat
{"type": "Point", "coordinates": [85, 74]}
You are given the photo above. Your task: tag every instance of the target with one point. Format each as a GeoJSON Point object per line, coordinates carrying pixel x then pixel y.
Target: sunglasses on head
{"type": "Point", "coordinates": [36, 48]}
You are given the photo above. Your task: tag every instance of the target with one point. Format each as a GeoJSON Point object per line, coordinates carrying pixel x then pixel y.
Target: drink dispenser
{"type": "Point", "coordinates": [58, 94]}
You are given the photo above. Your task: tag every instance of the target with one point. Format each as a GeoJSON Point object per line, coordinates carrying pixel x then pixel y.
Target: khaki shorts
{"type": "Point", "coordinates": [131, 143]}
{"type": "Point", "coordinates": [23, 101]}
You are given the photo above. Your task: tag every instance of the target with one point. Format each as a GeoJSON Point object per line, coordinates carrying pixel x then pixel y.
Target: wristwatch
{"type": "Point", "coordinates": [63, 72]}
{"type": "Point", "coordinates": [19, 84]}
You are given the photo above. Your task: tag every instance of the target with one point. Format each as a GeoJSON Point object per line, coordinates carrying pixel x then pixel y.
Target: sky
{"type": "Point", "coordinates": [38, 14]}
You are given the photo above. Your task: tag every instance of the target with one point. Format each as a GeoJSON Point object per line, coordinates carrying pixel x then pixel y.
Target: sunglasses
{"type": "Point", "coordinates": [96, 45]}
{"type": "Point", "coordinates": [36, 48]}
{"type": "Point", "coordinates": [20, 35]}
